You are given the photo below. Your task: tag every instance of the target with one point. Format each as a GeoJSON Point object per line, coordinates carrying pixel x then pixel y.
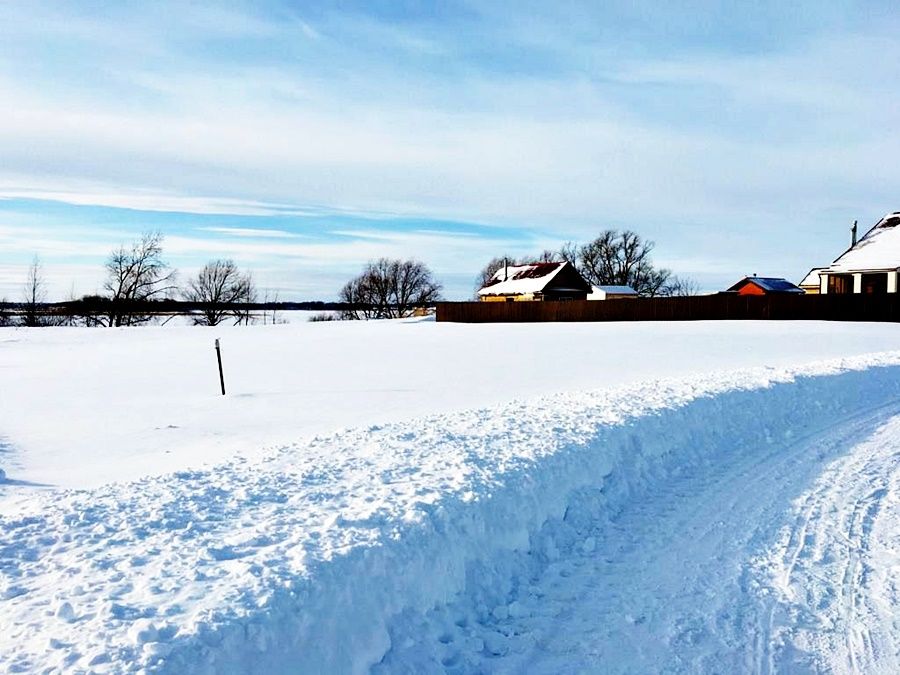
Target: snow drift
{"type": "Point", "coordinates": [326, 557]}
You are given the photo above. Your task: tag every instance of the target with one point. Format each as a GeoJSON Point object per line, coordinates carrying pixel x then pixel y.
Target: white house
{"type": "Point", "coordinates": [870, 265]}
{"type": "Point", "coordinates": [611, 292]}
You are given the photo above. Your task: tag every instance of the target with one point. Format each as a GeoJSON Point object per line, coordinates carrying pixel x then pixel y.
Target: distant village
{"type": "Point", "coordinates": [140, 289]}
{"type": "Point", "coordinates": [869, 266]}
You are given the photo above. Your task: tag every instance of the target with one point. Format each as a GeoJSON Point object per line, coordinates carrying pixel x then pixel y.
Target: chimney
{"type": "Point", "coordinates": [853, 235]}
{"type": "Point", "coordinates": [505, 269]}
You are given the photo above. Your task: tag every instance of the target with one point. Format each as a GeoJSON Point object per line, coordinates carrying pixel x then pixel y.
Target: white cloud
{"type": "Point", "coordinates": [777, 145]}
{"type": "Point", "coordinates": [251, 232]}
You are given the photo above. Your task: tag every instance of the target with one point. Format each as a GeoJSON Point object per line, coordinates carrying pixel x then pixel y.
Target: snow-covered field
{"type": "Point", "coordinates": [422, 497]}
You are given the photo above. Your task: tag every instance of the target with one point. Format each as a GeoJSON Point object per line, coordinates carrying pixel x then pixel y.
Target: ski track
{"type": "Point", "coordinates": [742, 522]}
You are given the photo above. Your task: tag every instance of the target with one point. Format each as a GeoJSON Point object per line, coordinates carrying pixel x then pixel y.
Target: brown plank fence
{"type": "Point", "coordinates": [721, 307]}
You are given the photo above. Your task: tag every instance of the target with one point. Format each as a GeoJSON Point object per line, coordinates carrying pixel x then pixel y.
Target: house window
{"type": "Point", "coordinates": [840, 284]}
{"type": "Point", "coordinates": [874, 284]}
{"type": "Point", "coordinates": [509, 298]}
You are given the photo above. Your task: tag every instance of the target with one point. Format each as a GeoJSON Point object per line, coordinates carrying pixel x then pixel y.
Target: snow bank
{"type": "Point", "coordinates": [310, 559]}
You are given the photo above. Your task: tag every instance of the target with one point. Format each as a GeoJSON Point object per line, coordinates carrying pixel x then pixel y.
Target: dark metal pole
{"type": "Point", "coordinates": [219, 357]}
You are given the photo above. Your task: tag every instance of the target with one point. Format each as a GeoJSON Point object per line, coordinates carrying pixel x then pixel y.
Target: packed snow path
{"type": "Point", "coordinates": [651, 528]}
{"type": "Point", "coordinates": [671, 583]}
{"type": "Point", "coordinates": [835, 571]}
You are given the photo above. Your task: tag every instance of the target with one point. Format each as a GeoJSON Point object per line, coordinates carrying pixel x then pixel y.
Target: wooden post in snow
{"type": "Point", "coordinates": [219, 358]}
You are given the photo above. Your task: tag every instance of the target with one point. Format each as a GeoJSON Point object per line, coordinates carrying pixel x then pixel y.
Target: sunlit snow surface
{"type": "Point", "coordinates": [646, 503]}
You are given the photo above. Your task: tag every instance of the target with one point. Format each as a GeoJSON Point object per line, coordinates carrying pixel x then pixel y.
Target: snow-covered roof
{"type": "Point", "coordinates": [878, 249]}
{"type": "Point", "coordinates": [812, 277]}
{"type": "Point", "coordinates": [770, 284]}
{"type": "Point", "coordinates": [616, 290]}
{"type": "Point", "coordinates": [522, 279]}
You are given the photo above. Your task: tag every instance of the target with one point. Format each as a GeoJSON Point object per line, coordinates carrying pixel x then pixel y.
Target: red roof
{"type": "Point", "coordinates": [527, 271]}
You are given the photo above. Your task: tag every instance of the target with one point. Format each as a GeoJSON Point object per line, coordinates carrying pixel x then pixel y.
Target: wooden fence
{"type": "Point", "coordinates": [721, 307]}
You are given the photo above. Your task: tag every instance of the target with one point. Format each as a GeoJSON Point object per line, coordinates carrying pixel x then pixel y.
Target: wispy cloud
{"type": "Point", "coordinates": [761, 123]}
{"type": "Point", "coordinates": [301, 255]}
{"type": "Point", "coordinates": [251, 232]}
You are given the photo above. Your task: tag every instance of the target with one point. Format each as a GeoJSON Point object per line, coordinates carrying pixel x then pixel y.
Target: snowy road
{"type": "Point", "coordinates": [671, 582]}
{"type": "Point", "coordinates": [686, 579]}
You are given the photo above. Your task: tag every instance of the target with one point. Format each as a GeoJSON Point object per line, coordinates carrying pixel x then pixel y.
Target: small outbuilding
{"type": "Point", "coordinates": [764, 286]}
{"type": "Point", "coordinates": [535, 281]}
{"type": "Point", "coordinates": [612, 293]}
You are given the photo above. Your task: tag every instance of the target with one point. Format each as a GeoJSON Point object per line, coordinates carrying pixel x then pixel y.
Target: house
{"type": "Point", "coordinates": [870, 265]}
{"type": "Point", "coordinates": [763, 286]}
{"type": "Point", "coordinates": [611, 293]}
{"type": "Point", "coordinates": [810, 283]}
{"type": "Point", "coordinates": [535, 281]}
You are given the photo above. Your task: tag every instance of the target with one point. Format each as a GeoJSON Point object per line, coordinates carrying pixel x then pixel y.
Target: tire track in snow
{"type": "Point", "coordinates": [838, 592]}
{"type": "Point", "coordinates": [672, 586]}
{"type": "Point", "coordinates": [698, 535]}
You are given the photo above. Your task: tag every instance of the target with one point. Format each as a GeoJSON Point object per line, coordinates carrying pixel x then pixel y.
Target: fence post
{"type": "Point", "coordinates": [219, 359]}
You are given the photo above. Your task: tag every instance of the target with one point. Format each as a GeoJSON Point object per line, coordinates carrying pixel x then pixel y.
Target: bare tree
{"type": "Point", "coordinates": [488, 271]}
{"type": "Point", "coordinates": [680, 286]}
{"type": "Point", "coordinates": [389, 289]}
{"type": "Point", "coordinates": [136, 276]}
{"type": "Point", "coordinates": [5, 314]}
{"type": "Point", "coordinates": [34, 295]}
{"type": "Point", "coordinates": [270, 310]}
{"type": "Point", "coordinates": [243, 313]}
{"type": "Point", "coordinates": [220, 288]}
{"type": "Point", "coordinates": [569, 252]}
{"type": "Point", "coordinates": [66, 314]}
{"type": "Point", "coordinates": [622, 259]}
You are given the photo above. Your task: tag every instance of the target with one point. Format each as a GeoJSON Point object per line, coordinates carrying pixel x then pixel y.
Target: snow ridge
{"type": "Point", "coordinates": [320, 558]}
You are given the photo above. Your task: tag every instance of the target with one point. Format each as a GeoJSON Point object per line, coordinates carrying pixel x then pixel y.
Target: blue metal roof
{"type": "Point", "coordinates": [770, 284]}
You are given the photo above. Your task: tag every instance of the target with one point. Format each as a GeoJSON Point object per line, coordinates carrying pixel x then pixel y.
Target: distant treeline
{"type": "Point", "coordinates": [163, 306]}
{"type": "Point", "coordinates": [99, 305]}
{"type": "Point", "coordinates": [140, 287]}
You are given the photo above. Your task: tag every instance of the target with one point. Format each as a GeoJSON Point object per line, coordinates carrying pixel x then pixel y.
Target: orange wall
{"type": "Point", "coordinates": [750, 289]}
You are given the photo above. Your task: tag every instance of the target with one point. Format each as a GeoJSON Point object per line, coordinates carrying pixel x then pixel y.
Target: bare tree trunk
{"type": "Point", "coordinates": [34, 296]}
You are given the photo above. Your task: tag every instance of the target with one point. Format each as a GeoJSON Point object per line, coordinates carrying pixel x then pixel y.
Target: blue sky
{"type": "Point", "coordinates": [302, 139]}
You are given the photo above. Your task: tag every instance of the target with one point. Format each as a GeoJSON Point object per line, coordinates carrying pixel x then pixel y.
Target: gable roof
{"type": "Point", "coordinates": [769, 284]}
{"type": "Point", "coordinates": [522, 279]}
{"type": "Point", "coordinates": [878, 249]}
{"type": "Point", "coordinates": [812, 277]}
